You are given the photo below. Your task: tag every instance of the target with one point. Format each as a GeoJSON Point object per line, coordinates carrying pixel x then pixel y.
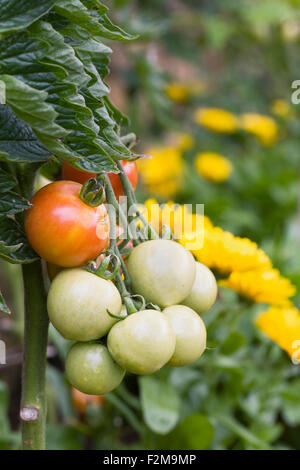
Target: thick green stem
{"type": "Point", "coordinates": [33, 406]}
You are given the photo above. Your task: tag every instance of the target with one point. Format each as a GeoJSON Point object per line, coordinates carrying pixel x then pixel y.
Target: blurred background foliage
{"type": "Point", "coordinates": [192, 56]}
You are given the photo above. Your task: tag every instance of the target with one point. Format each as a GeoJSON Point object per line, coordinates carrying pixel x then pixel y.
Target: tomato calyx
{"type": "Point", "coordinates": [92, 192]}
{"type": "Point", "coordinates": [108, 268]}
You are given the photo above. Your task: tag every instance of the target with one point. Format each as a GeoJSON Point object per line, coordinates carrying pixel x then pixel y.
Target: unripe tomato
{"type": "Point", "coordinates": [143, 342]}
{"type": "Point", "coordinates": [190, 334]}
{"type": "Point", "coordinates": [81, 401]}
{"type": "Point", "coordinates": [204, 291]}
{"type": "Point", "coordinates": [162, 271]}
{"type": "Point", "coordinates": [130, 168]}
{"type": "Point", "coordinates": [78, 302]}
{"type": "Point", "coordinates": [64, 230]}
{"type": "Point", "coordinates": [91, 369]}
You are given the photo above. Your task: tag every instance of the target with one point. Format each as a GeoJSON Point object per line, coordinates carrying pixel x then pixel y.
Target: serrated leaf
{"type": "Point", "coordinates": [71, 114]}
{"type": "Point", "coordinates": [7, 181]}
{"type": "Point", "coordinates": [16, 15]}
{"type": "Point", "coordinates": [30, 105]}
{"type": "Point", "coordinates": [59, 54]}
{"type": "Point", "coordinates": [18, 142]}
{"type": "Point", "coordinates": [160, 404]}
{"type": "Point", "coordinates": [14, 246]}
{"type": "Point", "coordinates": [47, 74]}
{"type": "Point", "coordinates": [12, 203]}
{"type": "Point", "coordinates": [94, 21]}
{"type": "Point", "coordinates": [119, 117]}
{"type": "Point", "coordinates": [3, 306]}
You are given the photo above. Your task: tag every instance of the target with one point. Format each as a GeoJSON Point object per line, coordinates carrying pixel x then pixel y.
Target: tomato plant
{"type": "Point", "coordinates": [53, 107]}
{"type": "Point", "coordinates": [130, 169]}
{"type": "Point", "coordinates": [104, 288]}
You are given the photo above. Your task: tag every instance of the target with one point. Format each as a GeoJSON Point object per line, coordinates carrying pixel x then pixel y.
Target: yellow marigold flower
{"type": "Point", "coordinates": [281, 107]}
{"type": "Point", "coordinates": [226, 253]}
{"type": "Point", "coordinates": [264, 285]}
{"type": "Point", "coordinates": [282, 325]}
{"type": "Point", "coordinates": [264, 128]}
{"type": "Point", "coordinates": [162, 174]}
{"type": "Point", "coordinates": [213, 167]}
{"type": "Point", "coordinates": [178, 92]}
{"type": "Point", "coordinates": [216, 120]}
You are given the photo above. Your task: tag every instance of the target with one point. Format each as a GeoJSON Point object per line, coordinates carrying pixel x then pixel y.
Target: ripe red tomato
{"type": "Point", "coordinates": [64, 230]}
{"type": "Point", "coordinates": [130, 168]}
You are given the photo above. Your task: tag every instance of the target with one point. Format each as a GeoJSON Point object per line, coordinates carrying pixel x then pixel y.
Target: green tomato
{"type": "Point", "coordinates": [204, 291]}
{"type": "Point", "coordinates": [143, 342]}
{"type": "Point", "coordinates": [78, 302]}
{"type": "Point", "coordinates": [91, 369]}
{"type": "Point", "coordinates": [162, 271]}
{"type": "Point", "coordinates": [190, 333]}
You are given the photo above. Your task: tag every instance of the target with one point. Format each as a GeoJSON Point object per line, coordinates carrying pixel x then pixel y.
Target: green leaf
{"type": "Point", "coordinates": [195, 432]}
{"type": "Point", "coordinates": [18, 142]}
{"type": "Point", "coordinates": [94, 21]}
{"type": "Point", "coordinates": [233, 342]}
{"type": "Point", "coordinates": [115, 113]}
{"type": "Point", "coordinates": [12, 203]}
{"type": "Point", "coordinates": [3, 306]}
{"type": "Point", "coordinates": [94, 56]}
{"type": "Point", "coordinates": [16, 15]}
{"type": "Point", "coordinates": [7, 181]}
{"type": "Point", "coordinates": [160, 404]}
{"type": "Point", "coordinates": [30, 105]}
{"type": "Point", "coordinates": [42, 69]}
{"type": "Point", "coordinates": [14, 246]}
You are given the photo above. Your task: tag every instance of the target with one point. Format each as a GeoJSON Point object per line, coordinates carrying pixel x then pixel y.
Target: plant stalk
{"type": "Point", "coordinates": [33, 404]}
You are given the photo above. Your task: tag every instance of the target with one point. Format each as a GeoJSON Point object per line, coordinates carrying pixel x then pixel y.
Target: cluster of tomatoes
{"type": "Point", "coordinates": [89, 309]}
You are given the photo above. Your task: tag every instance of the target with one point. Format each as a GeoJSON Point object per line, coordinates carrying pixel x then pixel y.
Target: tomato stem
{"type": "Point", "coordinates": [113, 207]}
{"type": "Point", "coordinates": [33, 403]}
{"type": "Point", "coordinates": [127, 188]}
